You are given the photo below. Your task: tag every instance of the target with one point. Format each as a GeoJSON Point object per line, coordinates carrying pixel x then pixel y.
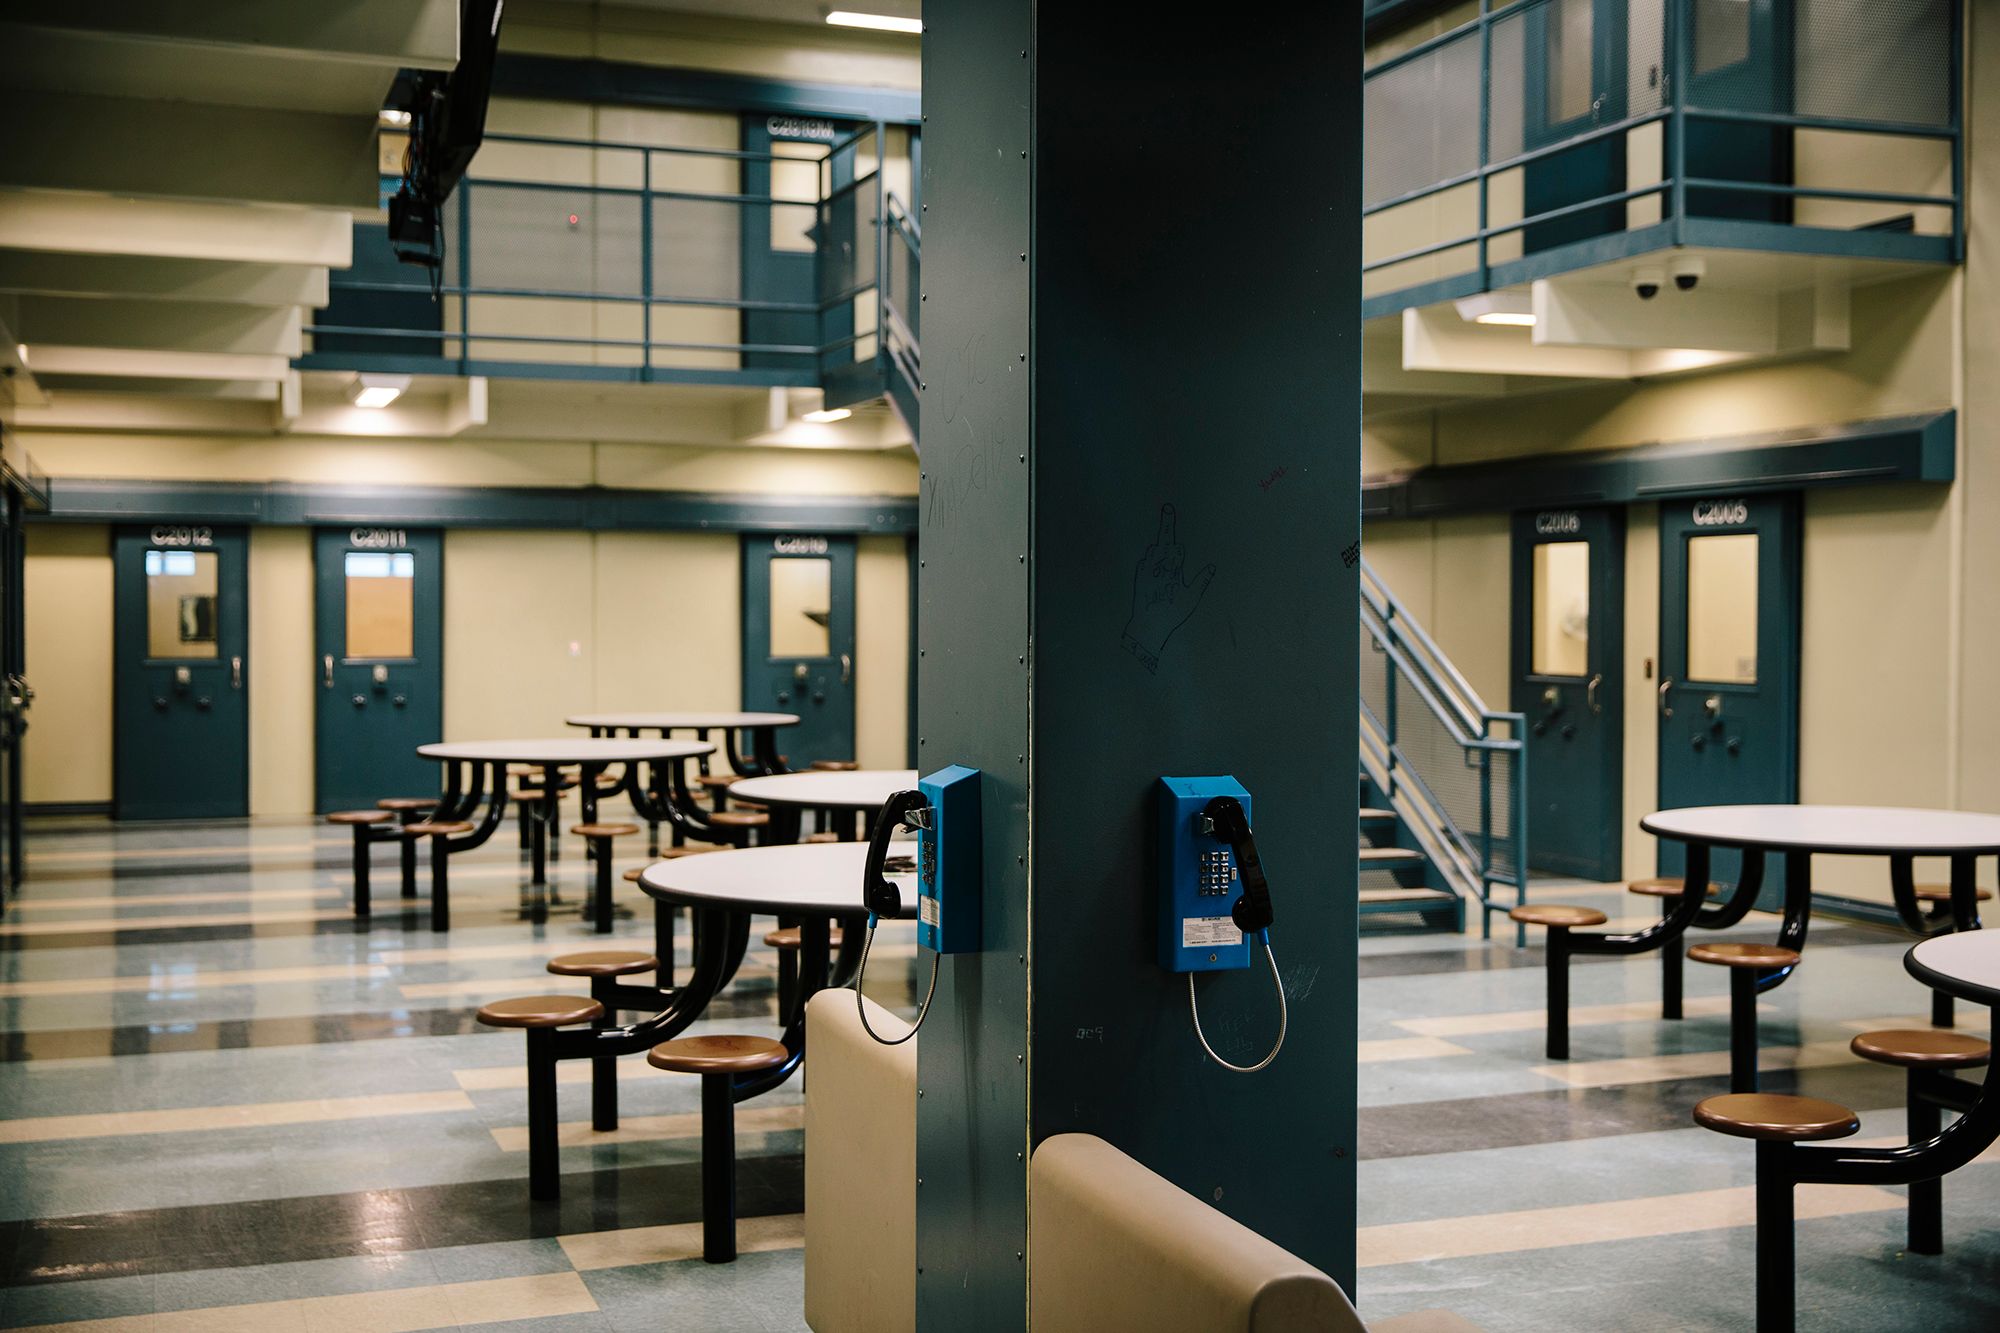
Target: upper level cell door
{"type": "Point", "coordinates": [1568, 58]}
{"type": "Point", "coordinates": [798, 639]}
{"type": "Point", "coordinates": [781, 229]}
{"type": "Point", "coordinates": [1568, 655]}
{"type": "Point", "coordinates": [1737, 64]}
{"type": "Point", "coordinates": [1728, 696]}
{"type": "Point", "coordinates": [379, 660]}
{"type": "Point", "coordinates": [181, 634]}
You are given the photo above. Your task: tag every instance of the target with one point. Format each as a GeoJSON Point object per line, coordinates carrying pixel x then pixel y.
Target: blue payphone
{"type": "Point", "coordinates": [1215, 903]}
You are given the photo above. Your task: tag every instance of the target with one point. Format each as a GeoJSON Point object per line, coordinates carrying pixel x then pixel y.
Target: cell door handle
{"type": "Point", "coordinates": [1666, 709]}
{"type": "Point", "coordinates": [326, 666]}
{"type": "Point", "coordinates": [1590, 694]}
{"type": "Point", "coordinates": [846, 668]}
{"type": "Point", "coordinates": [235, 673]}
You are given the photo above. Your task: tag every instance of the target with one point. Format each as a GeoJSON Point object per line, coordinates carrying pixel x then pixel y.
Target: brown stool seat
{"type": "Point", "coordinates": [401, 804]}
{"type": "Point", "coordinates": [1557, 914]}
{"type": "Point", "coordinates": [750, 805]}
{"type": "Point", "coordinates": [789, 937]}
{"type": "Point", "coordinates": [540, 1011]}
{"type": "Point", "coordinates": [714, 780]}
{"type": "Point", "coordinates": [834, 766]}
{"type": "Point", "coordinates": [603, 963]}
{"type": "Point", "coordinates": [688, 849]}
{"type": "Point", "coordinates": [1770, 1115]}
{"type": "Point", "coordinates": [437, 828]}
{"type": "Point", "coordinates": [359, 817]}
{"type": "Point", "coordinates": [526, 795]}
{"type": "Point", "coordinates": [609, 782]}
{"type": "Point", "coordinates": [1927, 1048]}
{"type": "Point", "coordinates": [632, 875]}
{"type": "Point", "coordinates": [1941, 893]}
{"type": "Point", "coordinates": [739, 819]}
{"type": "Point", "coordinates": [603, 830]}
{"type": "Point", "coordinates": [822, 837]}
{"type": "Point", "coordinates": [718, 1055]}
{"type": "Point", "coordinates": [1744, 955]}
{"type": "Point", "coordinates": [1665, 888]}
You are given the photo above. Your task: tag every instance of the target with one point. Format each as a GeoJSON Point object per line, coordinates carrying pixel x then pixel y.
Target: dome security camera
{"type": "Point", "coordinates": [1646, 282]}
{"type": "Point", "coordinates": [1687, 271]}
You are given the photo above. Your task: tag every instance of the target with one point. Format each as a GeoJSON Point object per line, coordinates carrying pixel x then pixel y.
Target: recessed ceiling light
{"type": "Point", "coordinates": [393, 119]}
{"type": "Point", "coordinates": [1511, 309]}
{"type": "Point", "coordinates": [376, 390]}
{"type": "Point", "coordinates": [826, 414]}
{"type": "Point", "coordinates": [847, 18]}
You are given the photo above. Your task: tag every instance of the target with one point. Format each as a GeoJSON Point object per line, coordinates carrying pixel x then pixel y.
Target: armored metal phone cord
{"type": "Point", "coordinates": [862, 1009]}
{"type": "Point", "coordinates": [1194, 1012]}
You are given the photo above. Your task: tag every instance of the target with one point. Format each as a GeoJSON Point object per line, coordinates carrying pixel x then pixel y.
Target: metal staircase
{"type": "Point", "coordinates": [1443, 812]}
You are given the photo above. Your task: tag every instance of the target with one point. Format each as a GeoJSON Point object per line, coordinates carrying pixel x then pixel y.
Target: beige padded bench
{"type": "Point", "coordinates": [1178, 1263]}
{"type": "Point", "coordinates": [1112, 1245]}
{"type": "Point", "coordinates": [861, 1170]}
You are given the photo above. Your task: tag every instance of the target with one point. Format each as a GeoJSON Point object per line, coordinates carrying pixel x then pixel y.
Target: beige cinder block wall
{"type": "Point", "coordinates": [66, 755]}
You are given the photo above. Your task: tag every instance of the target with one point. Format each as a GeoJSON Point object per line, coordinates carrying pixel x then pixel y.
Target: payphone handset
{"type": "Point", "coordinates": [944, 811]}
{"type": "Point", "coordinates": [1215, 903]}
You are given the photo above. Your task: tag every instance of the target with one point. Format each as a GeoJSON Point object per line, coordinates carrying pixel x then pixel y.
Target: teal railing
{"type": "Point", "coordinates": [1454, 770]}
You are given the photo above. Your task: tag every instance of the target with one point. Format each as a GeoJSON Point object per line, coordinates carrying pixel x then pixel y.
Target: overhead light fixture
{"type": "Point", "coordinates": [376, 390]}
{"type": "Point", "coordinates": [826, 414]}
{"type": "Point", "coordinates": [393, 119]}
{"type": "Point", "coordinates": [1513, 309]}
{"type": "Point", "coordinates": [21, 352]}
{"type": "Point", "coordinates": [847, 18]}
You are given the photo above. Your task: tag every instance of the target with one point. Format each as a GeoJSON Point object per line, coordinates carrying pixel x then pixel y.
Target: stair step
{"type": "Point", "coordinates": [1367, 813]}
{"type": "Point", "coordinates": [1386, 858]}
{"type": "Point", "coordinates": [1405, 895]}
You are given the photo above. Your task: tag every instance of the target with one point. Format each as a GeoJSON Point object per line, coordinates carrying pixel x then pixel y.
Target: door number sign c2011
{"type": "Point", "coordinates": [379, 539]}
{"type": "Point", "coordinates": [166, 535]}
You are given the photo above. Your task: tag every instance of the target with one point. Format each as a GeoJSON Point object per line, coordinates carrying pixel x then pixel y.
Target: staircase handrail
{"type": "Point", "coordinates": [1398, 621]}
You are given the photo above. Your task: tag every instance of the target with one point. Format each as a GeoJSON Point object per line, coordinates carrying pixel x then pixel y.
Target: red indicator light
{"type": "Point", "coordinates": [572, 219]}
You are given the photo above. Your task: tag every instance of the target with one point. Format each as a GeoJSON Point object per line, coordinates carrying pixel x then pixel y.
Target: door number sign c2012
{"type": "Point", "coordinates": [167, 535]}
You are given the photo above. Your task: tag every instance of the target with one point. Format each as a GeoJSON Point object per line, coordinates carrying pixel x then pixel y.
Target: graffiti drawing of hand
{"type": "Point", "coordinates": [1162, 600]}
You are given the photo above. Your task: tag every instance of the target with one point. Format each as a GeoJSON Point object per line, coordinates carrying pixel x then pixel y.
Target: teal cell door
{"type": "Point", "coordinates": [1728, 695]}
{"type": "Point", "coordinates": [181, 635]}
{"type": "Point", "coordinates": [798, 639]}
{"type": "Point", "coordinates": [1568, 655]}
{"type": "Point", "coordinates": [14, 692]}
{"type": "Point", "coordinates": [1737, 65]}
{"type": "Point", "coordinates": [378, 616]}
{"type": "Point", "coordinates": [1573, 79]}
{"type": "Point", "coordinates": [779, 237]}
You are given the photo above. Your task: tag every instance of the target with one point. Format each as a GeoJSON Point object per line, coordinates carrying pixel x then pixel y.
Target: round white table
{"type": "Point", "coordinates": [1967, 965]}
{"type": "Point", "coordinates": [474, 768]}
{"type": "Point", "coordinates": [812, 883]}
{"type": "Point", "coordinates": [1802, 831]}
{"type": "Point", "coordinates": [760, 757]}
{"type": "Point", "coordinates": [860, 791]}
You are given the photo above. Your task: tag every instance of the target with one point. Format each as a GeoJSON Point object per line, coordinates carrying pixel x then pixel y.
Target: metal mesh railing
{"type": "Point", "coordinates": [1450, 766]}
{"type": "Point", "coordinates": [1545, 123]}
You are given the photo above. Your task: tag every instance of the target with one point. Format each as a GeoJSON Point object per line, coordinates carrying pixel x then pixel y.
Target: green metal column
{"type": "Point", "coordinates": [1139, 519]}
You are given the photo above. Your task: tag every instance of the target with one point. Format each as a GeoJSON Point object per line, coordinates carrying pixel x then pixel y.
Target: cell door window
{"type": "Point", "coordinates": [795, 172]}
{"type": "Point", "coordinates": [182, 604]}
{"type": "Point", "coordinates": [381, 605]}
{"type": "Point", "coordinates": [1572, 60]}
{"type": "Point", "coordinates": [801, 607]}
{"type": "Point", "coordinates": [1722, 609]}
{"type": "Point", "coordinates": [1721, 34]}
{"type": "Point", "coordinates": [1561, 643]}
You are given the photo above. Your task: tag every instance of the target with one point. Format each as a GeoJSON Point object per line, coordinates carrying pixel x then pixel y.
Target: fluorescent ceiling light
{"type": "Point", "coordinates": [1513, 309]}
{"type": "Point", "coordinates": [847, 18]}
{"type": "Point", "coordinates": [827, 414]}
{"type": "Point", "coordinates": [394, 119]}
{"type": "Point", "coordinates": [21, 352]}
{"type": "Point", "coordinates": [376, 390]}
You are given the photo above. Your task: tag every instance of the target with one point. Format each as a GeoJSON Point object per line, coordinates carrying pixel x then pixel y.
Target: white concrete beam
{"type": "Point", "coordinates": [1436, 339]}
{"type": "Point", "coordinates": [146, 278]}
{"type": "Point", "coordinates": [1709, 318]}
{"type": "Point", "coordinates": [250, 233]}
{"type": "Point", "coordinates": [188, 150]}
{"type": "Point", "coordinates": [130, 363]}
{"type": "Point", "coordinates": [166, 326]}
{"type": "Point", "coordinates": [1382, 373]}
{"type": "Point", "coordinates": [150, 414]}
{"type": "Point", "coordinates": [422, 34]}
{"type": "Point", "coordinates": [465, 405]}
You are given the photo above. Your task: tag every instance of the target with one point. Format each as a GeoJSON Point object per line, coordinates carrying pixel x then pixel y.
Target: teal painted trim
{"type": "Point", "coordinates": [1912, 448]}
{"type": "Point", "coordinates": [611, 82]}
{"type": "Point", "coordinates": [586, 508]}
{"type": "Point", "coordinates": [60, 809]}
{"type": "Point", "coordinates": [1787, 238]}
{"type": "Point", "coordinates": [391, 364]}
